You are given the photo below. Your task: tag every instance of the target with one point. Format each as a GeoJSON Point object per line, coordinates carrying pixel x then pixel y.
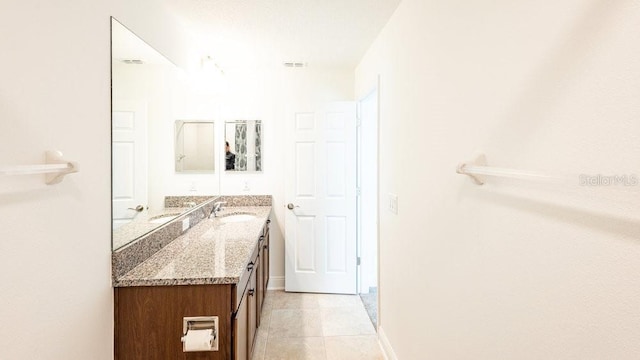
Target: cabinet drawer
{"type": "Point", "coordinates": [244, 279]}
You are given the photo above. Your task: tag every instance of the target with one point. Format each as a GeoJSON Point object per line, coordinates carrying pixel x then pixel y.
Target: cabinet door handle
{"type": "Point", "coordinates": [250, 266]}
{"type": "Point", "coordinates": [251, 292]}
{"type": "Point", "coordinates": [261, 237]}
{"type": "Point", "coordinates": [265, 247]}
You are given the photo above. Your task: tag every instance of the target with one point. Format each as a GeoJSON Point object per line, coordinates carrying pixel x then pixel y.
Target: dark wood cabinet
{"type": "Point", "coordinates": [264, 255]}
{"type": "Point", "coordinates": [148, 319]}
{"type": "Point", "coordinates": [262, 271]}
{"type": "Point", "coordinates": [252, 321]}
{"type": "Point", "coordinates": [240, 325]}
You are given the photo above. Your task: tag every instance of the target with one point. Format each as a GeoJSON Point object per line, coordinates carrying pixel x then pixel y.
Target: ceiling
{"type": "Point", "coordinates": [316, 32]}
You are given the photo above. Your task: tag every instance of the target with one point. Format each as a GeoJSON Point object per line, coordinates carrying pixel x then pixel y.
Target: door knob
{"type": "Point", "coordinates": [138, 208]}
{"type": "Point", "coordinates": [290, 206]}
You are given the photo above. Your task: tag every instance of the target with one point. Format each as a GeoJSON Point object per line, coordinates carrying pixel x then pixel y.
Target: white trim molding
{"type": "Point", "coordinates": [276, 283]}
{"type": "Point", "coordinates": [389, 354]}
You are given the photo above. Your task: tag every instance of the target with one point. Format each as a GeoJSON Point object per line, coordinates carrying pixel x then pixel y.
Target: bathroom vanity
{"type": "Point", "coordinates": [178, 273]}
{"type": "Point", "coordinates": [219, 267]}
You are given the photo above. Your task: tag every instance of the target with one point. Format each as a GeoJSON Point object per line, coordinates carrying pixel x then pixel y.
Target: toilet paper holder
{"type": "Point", "coordinates": [201, 323]}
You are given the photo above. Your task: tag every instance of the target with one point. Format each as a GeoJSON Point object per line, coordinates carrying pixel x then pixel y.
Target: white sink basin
{"type": "Point", "coordinates": [232, 218]}
{"type": "Point", "coordinates": [161, 219]}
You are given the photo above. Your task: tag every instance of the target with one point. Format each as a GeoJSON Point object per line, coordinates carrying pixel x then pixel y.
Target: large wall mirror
{"type": "Point", "coordinates": [243, 145]}
{"type": "Point", "coordinates": [145, 94]}
{"type": "Point", "coordinates": [194, 146]}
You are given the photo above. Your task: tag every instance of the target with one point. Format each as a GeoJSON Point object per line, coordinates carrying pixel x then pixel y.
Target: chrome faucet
{"type": "Point", "coordinates": [217, 206]}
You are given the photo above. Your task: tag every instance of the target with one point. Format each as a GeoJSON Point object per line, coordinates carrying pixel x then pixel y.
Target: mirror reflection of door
{"type": "Point", "coordinates": [244, 150]}
{"type": "Point", "coordinates": [129, 151]}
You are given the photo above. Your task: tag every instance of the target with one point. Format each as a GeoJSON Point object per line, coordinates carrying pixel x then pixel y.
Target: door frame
{"type": "Point", "coordinates": [374, 87]}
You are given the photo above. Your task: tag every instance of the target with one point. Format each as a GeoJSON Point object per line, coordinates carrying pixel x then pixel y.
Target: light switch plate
{"type": "Point", "coordinates": [185, 224]}
{"type": "Point", "coordinates": [393, 203]}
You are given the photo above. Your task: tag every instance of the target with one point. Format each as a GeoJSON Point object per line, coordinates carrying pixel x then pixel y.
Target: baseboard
{"type": "Point", "coordinates": [276, 283]}
{"type": "Point", "coordinates": [386, 345]}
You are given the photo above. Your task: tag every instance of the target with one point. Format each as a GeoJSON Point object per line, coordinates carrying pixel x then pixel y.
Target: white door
{"type": "Point", "coordinates": [320, 222]}
{"type": "Point", "coordinates": [129, 161]}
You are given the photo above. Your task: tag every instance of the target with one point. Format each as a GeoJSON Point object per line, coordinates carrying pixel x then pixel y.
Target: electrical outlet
{"type": "Point", "coordinates": [393, 203]}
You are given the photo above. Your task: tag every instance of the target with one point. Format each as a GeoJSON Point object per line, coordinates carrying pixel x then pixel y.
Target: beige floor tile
{"type": "Point", "coordinates": [269, 296]}
{"type": "Point", "coordinates": [268, 303]}
{"type": "Point", "coordinates": [265, 319]}
{"type": "Point", "coordinates": [261, 343]}
{"type": "Point", "coordinates": [353, 348]}
{"type": "Point", "coordinates": [295, 323]}
{"type": "Point", "coordinates": [341, 321]}
{"type": "Point", "coordinates": [302, 348]}
{"type": "Point", "coordinates": [332, 300]}
{"type": "Point", "coordinates": [284, 300]}
{"type": "Point", "coordinates": [299, 326]}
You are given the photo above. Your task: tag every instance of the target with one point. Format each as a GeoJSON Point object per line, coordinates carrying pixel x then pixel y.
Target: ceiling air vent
{"type": "Point", "coordinates": [294, 64]}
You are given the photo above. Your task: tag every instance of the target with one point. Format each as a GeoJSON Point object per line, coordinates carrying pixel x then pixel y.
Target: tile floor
{"type": "Point", "coordinates": [298, 326]}
{"type": "Point", "coordinates": [370, 302]}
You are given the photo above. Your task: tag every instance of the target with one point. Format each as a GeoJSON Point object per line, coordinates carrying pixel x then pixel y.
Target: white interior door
{"type": "Point", "coordinates": [320, 222]}
{"type": "Point", "coordinates": [129, 161]}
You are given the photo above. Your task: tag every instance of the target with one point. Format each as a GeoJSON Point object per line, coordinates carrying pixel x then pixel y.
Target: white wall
{"type": "Point", "coordinates": [511, 269]}
{"type": "Point", "coordinates": [55, 241]}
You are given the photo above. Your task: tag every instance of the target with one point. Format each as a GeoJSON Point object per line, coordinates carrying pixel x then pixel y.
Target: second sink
{"type": "Point", "coordinates": [161, 219]}
{"type": "Point", "coordinates": [236, 218]}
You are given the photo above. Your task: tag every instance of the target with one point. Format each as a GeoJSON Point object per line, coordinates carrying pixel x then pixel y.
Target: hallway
{"type": "Point", "coordinates": [299, 326]}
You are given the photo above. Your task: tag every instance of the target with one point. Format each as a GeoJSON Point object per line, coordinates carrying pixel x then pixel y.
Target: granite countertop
{"type": "Point", "coordinates": [212, 252]}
